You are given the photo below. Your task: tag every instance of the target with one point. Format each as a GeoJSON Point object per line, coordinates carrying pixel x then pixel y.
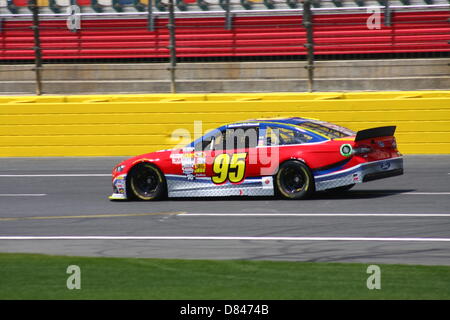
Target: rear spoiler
{"type": "Point", "coordinates": [375, 132]}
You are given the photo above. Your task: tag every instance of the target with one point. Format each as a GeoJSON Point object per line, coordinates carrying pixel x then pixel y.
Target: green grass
{"type": "Point", "coordinates": [31, 276]}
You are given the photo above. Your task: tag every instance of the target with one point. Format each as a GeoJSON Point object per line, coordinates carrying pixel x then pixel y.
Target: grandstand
{"type": "Point", "coordinates": [105, 6]}
{"type": "Point", "coordinates": [123, 31]}
{"type": "Point", "coordinates": [119, 29]}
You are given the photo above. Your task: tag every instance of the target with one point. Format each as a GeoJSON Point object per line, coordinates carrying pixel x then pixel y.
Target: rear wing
{"type": "Point", "coordinates": [375, 132]}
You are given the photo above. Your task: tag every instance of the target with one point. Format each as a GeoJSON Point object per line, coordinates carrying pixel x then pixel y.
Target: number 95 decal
{"type": "Point", "coordinates": [229, 167]}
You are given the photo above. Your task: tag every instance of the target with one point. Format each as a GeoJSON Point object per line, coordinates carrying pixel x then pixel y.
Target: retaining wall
{"type": "Point", "coordinates": [121, 125]}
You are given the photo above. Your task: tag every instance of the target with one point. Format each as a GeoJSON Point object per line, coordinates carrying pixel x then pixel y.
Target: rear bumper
{"type": "Point", "coordinates": [382, 175]}
{"type": "Point", "coordinates": [361, 173]}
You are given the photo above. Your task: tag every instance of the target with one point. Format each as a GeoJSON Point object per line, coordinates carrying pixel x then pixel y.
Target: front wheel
{"type": "Point", "coordinates": [294, 180]}
{"type": "Point", "coordinates": [145, 182]}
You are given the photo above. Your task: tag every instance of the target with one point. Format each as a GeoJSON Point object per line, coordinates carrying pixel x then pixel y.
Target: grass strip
{"type": "Point", "coordinates": [33, 276]}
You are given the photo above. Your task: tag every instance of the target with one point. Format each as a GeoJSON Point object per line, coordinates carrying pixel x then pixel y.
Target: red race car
{"type": "Point", "coordinates": [290, 157]}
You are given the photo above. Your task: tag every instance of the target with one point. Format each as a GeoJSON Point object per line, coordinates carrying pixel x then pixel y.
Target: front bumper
{"type": "Point", "coordinates": [119, 188]}
{"type": "Point", "coordinates": [363, 172]}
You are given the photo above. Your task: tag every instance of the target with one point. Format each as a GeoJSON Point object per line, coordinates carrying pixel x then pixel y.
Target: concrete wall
{"type": "Point", "coordinates": [351, 75]}
{"type": "Point", "coordinates": [113, 125]}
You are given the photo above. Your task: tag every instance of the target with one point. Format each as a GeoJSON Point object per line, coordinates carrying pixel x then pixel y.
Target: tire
{"type": "Point", "coordinates": [146, 182]}
{"type": "Point", "coordinates": [341, 189]}
{"type": "Point", "coordinates": [294, 180]}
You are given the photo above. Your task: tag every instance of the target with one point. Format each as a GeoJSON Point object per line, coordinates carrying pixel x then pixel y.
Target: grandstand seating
{"type": "Point", "coordinates": [207, 36]}
{"type": "Point", "coordinates": [20, 6]}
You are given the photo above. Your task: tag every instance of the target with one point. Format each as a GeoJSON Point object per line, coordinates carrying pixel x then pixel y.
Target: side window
{"type": "Point", "coordinates": [241, 138]}
{"type": "Point", "coordinates": [272, 136]}
{"type": "Point", "coordinates": [285, 136]}
{"type": "Point", "coordinates": [211, 141]}
{"type": "Point", "coordinates": [230, 139]}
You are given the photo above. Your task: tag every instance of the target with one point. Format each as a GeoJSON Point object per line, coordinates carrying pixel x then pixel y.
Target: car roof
{"type": "Point", "coordinates": [291, 121]}
{"type": "Point", "coordinates": [313, 126]}
{"type": "Point", "coordinates": [294, 121]}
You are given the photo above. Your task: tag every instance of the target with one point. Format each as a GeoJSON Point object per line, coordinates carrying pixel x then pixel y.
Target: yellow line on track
{"type": "Point", "coordinates": [94, 216]}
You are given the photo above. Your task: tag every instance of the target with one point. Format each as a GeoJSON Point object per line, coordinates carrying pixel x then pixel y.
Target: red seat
{"type": "Point", "coordinates": [20, 3]}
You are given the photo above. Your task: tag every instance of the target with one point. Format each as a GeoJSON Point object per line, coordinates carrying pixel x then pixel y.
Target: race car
{"type": "Point", "coordinates": [287, 157]}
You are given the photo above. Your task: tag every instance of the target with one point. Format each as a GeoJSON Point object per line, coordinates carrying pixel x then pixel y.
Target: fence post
{"type": "Point", "coordinates": [172, 47]}
{"type": "Point", "coordinates": [308, 24]}
{"type": "Point", "coordinates": [387, 14]}
{"type": "Point", "coordinates": [228, 16]}
{"type": "Point", "coordinates": [37, 47]}
{"type": "Point", "coordinates": [150, 17]}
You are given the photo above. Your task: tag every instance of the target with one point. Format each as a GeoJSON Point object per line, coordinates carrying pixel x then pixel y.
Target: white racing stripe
{"type": "Point", "coordinates": [235, 238]}
{"type": "Point", "coordinates": [394, 193]}
{"type": "Point", "coordinates": [313, 215]}
{"type": "Point", "coordinates": [22, 194]}
{"type": "Point", "coordinates": [423, 193]}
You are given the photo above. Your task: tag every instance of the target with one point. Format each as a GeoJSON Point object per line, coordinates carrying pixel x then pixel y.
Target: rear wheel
{"type": "Point", "coordinates": [294, 180]}
{"type": "Point", "coordinates": [145, 182]}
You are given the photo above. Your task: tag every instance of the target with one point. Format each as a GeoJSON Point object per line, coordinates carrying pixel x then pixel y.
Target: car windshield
{"type": "Point", "coordinates": [332, 131]}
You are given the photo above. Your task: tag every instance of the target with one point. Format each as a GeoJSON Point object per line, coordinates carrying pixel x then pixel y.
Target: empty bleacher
{"type": "Point", "coordinates": [206, 36]}
{"type": "Point", "coordinates": [58, 6]}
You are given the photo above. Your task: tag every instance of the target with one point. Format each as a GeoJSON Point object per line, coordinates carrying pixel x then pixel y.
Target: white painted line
{"type": "Point", "coordinates": [422, 193]}
{"type": "Point", "coordinates": [314, 215]}
{"type": "Point", "coordinates": [54, 175]}
{"type": "Point", "coordinates": [184, 238]}
{"type": "Point", "coordinates": [22, 194]}
{"type": "Point", "coordinates": [393, 192]}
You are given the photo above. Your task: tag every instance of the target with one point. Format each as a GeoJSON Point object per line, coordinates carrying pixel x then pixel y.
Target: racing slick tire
{"type": "Point", "coordinates": [294, 180]}
{"type": "Point", "coordinates": [146, 182]}
{"type": "Point", "coordinates": [341, 189]}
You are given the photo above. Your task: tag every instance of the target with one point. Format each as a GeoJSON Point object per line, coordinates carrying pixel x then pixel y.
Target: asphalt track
{"type": "Point", "coordinates": [60, 206]}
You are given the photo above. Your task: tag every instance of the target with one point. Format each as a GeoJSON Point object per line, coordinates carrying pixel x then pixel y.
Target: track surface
{"type": "Point", "coordinates": [68, 197]}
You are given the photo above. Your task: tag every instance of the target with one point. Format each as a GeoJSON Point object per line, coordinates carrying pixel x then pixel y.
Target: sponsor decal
{"type": "Point", "coordinates": [267, 182]}
{"type": "Point", "coordinates": [385, 165]}
{"type": "Point", "coordinates": [193, 164]}
{"type": "Point", "coordinates": [119, 184]}
{"type": "Point", "coordinates": [346, 150]}
{"type": "Point", "coordinates": [176, 158]}
{"type": "Point", "coordinates": [247, 124]}
{"type": "Point", "coordinates": [200, 168]}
